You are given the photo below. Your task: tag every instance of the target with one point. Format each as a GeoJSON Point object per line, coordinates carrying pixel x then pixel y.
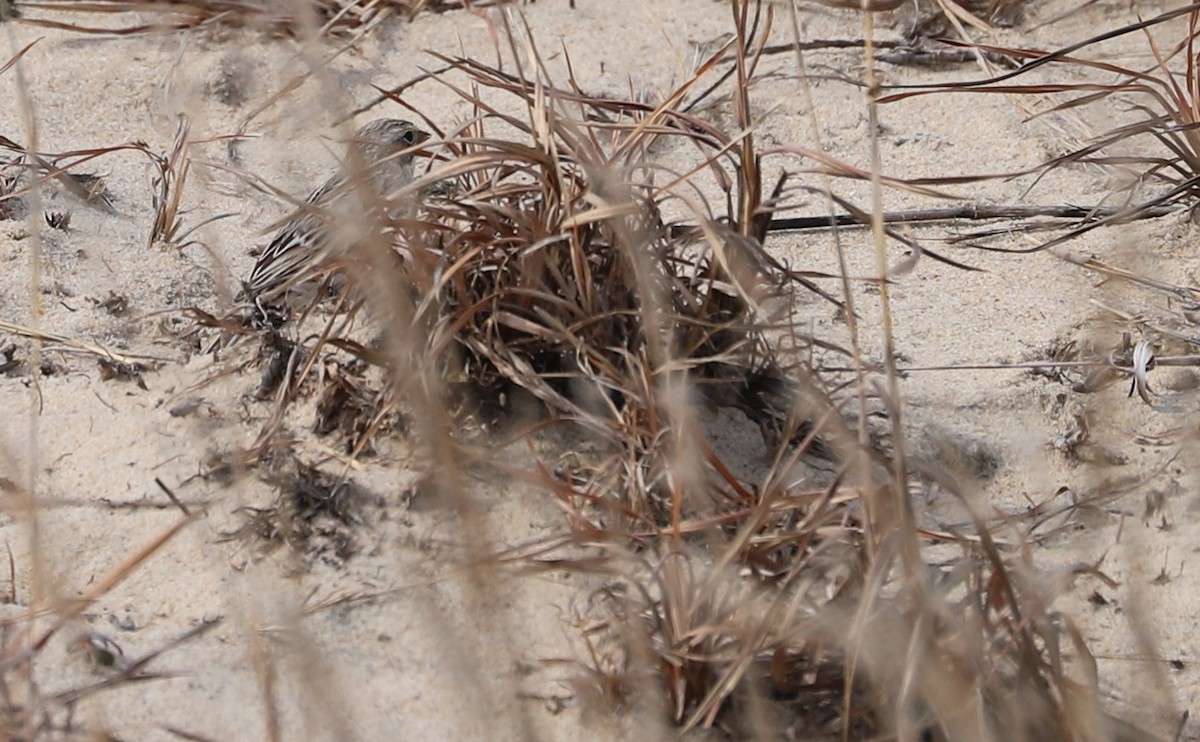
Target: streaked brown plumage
{"type": "Point", "coordinates": [303, 244]}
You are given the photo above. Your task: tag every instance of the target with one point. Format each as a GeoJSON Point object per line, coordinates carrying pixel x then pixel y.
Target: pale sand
{"type": "Point", "coordinates": [435, 659]}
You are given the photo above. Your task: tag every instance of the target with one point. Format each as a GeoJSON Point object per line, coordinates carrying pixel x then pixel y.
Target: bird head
{"type": "Point", "coordinates": [383, 137]}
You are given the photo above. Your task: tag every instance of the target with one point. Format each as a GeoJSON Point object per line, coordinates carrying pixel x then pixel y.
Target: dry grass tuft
{"type": "Point", "coordinates": [540, 266]}
{"type": "Point", "coordinates": [533, 277]}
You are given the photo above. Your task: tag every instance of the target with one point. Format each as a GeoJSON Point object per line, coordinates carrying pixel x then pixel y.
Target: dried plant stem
{"type": "Point", "coordinates": [833, 221]}
{"type": "Point", "coordinates": [902, 512]}
{"type": "Point", "coordinates": [891, 524]}
{"type": "Point", "coordinates": [72, 344]}
{"type": "Point", "coordinates": [27, 502]}
{"type": "Point", "coordinates": [974, 212]}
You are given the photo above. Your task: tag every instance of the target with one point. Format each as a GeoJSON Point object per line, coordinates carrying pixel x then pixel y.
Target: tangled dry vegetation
{"type": "Point", "coordinates": [542, 265]}
{"type": "Point", "coordinates": [553, 263]}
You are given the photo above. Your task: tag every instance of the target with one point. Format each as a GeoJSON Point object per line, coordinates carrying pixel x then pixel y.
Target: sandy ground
{"type": "Point", "coordinates": [422, 653]}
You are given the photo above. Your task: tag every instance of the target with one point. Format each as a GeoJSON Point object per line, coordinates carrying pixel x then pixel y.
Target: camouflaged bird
{"type": "Point", "coordinates": [303, 245]}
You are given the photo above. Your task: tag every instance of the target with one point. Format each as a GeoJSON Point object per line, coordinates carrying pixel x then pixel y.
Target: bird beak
{"type": "Point", "coordinates": [422, 137]}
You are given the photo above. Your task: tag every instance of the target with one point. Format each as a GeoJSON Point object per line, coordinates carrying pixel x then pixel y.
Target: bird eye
{"type": "Point", "coordinates": [409, 137]}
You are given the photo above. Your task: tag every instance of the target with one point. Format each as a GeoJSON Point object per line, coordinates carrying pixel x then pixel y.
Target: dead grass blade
{"type": "Point", "coordinates": [77, 345]}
